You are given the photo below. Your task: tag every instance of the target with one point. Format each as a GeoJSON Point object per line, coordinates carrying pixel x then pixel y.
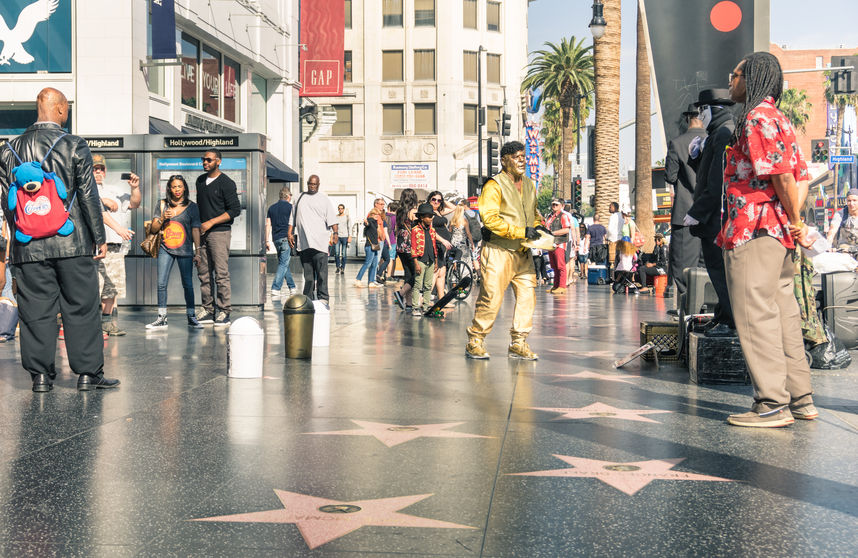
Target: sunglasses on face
{"type": "Point", "coordinates": [99, 169]}
{"type": "Point", "coordinates": [435, 200]}
{"type": "Point", "coordinates": [207, 159]}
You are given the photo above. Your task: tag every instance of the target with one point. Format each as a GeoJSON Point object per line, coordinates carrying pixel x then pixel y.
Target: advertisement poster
{"type": "Point", "coordinates": [36, 37]}
{"type": "Point", "coordinates": [418, 176]}
{"type": "Point", "coordinates": [321, 59]}
{"type": "Point", "coordinates": [191, 167]}
{"type": "Point", "coordinates": [532, 153]}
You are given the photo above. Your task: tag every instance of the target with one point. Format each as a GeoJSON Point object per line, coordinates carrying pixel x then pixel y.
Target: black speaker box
{"type": "Point", "coordinates": [840, 306]}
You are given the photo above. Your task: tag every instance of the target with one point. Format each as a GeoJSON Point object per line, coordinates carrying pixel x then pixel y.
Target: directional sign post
{"type": "Point", "coordinates": [843, 159]}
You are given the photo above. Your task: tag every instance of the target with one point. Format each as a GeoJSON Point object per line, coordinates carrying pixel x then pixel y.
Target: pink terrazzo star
{"type": "Point", "coordinates": [321, 520]}
{"type": "Point", "coordinates": [601, 410]}
{"type": "Point", "coordinates": [394, 434]}
{"type": "Point", "coordinates": [587, 375]}
{"type": "Point", "coordinates": [626, 477]}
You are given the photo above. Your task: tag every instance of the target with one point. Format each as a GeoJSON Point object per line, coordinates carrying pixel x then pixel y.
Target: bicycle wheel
{"type": "Point", "coordinates": [456, 271]}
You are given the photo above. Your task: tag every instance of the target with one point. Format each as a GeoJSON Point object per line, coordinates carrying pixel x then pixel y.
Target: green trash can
{"type": "Point", "coordinates": [298, 312]}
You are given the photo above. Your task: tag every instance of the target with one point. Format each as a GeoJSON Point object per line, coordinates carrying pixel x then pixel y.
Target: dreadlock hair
{"type": "Point", "coordinates": [763, 78]}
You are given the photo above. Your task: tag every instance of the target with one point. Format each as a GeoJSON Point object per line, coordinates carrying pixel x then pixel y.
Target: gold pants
{"type": "Point", "coordinates": [500, 268]}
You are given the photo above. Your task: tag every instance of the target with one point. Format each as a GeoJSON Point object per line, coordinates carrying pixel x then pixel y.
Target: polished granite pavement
{"type": "Point", "coordinates": [391, 443]}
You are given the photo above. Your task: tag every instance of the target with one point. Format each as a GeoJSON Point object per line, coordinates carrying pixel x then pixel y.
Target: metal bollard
{"type": "Point", "coordinates": [298, 313]}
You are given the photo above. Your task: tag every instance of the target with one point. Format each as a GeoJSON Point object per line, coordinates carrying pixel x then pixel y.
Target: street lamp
{"type": "Point", "coordinates": [598, 23]}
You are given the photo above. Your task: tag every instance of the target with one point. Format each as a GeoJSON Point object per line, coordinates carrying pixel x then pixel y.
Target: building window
{"type": "Point", "coordinates": [424, 13]}
{"type": "Point", "coordinates": [493, 116]}
{"type": "Point", "coordinates": [470, 66]}
{"type": "Point", "coordinates": [469, 14]}
{"type": "Point", "coordinates": [424, 65]}
{"type": "Point", "coordinates": [210, 81]}
{"type": "Point", "coordinates": [391, 65]}
{"type": "Point", "coordinates": [391, 13]}
{"type": "Point", "coordinates": [258, 113]}
{"type": "Point", "coordinates": [493, 68]}
{"type": "Point", "coordinates": [348, 8]}
{"type": "Point", "coordinates": [493, 11]}
{"type": "Point", "coordinates": [343, 125]}
{"type": "Point", "coordinates": [470, 120]}
{"type": "Point", "coordinates": [190, 67]}
{"type": "Point", "coordinates": [347, 66]}
{"type": "Point", "coordinates": [392, 120]}
{"type": "Point", "coordinates": [819, 62]}
{"type": "Point", "coordinates": [231, 90]}
{"type": "Point", "coordinates": [424, 119]}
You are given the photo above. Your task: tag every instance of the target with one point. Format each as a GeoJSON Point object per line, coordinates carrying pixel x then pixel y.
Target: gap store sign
{"type": "Point", "coordinates": [35, 36]}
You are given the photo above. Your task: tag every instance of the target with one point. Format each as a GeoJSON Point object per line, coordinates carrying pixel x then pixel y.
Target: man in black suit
{"type": "Point", "coordinates": [704, 216]}
{"type": "Point", "coordinates": [680, 173]}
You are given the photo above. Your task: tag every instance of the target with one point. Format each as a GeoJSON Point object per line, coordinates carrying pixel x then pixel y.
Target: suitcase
{"type": "Point", "coordinates": [716, 360]}
{"type": "Point", "coordinates": [597, 274]}
{"type": "Point", "coordinates": [700, 291]}
{"type": "Point", "coordinates": [840, 306]}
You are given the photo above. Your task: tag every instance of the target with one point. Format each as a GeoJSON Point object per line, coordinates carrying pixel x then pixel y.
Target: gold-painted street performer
{"type": "Point", "coordinates": [508, 208]}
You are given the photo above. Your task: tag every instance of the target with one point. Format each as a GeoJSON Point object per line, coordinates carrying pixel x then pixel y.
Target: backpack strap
{"type": "Point", "coordinates": [15, 153]}
{"type": "Point", "coordinates": [56, 141]}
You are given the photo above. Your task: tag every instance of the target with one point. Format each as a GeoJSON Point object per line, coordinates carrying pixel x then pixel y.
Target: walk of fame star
{"type": "Point", "coordinates": [394, 434]}
{"type": "Point", "coordinates": [601, 410]}
{"type": "Point", "coordinates": [587, 375]}
{"type": "Point", "coordinates": [321, 520]}
{"type": "Point", "coordinates": [626, 477]}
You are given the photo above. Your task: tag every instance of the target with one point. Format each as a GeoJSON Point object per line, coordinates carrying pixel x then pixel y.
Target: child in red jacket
{"type": "Point", "coordinates": [422, 237]}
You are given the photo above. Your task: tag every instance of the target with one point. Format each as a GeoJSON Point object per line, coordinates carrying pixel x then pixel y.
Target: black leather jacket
{"type": "Point", "coordinates": [72, 162]}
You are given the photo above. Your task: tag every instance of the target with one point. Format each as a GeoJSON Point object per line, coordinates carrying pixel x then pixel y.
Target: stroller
{"type": "Point", "coordinates": [624, 279]}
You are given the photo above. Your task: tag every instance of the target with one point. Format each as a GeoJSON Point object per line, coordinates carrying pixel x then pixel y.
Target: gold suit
{"type": "Point", "coordinates": [503, 261]}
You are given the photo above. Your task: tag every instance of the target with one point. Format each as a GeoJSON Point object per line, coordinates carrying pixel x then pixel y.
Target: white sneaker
{"type": "Point", "coordinates": [358, 284]}
{"type": "Point", "coordinates": [160, 323]}
{"type": "Point", "coordinates": [375, 285]}
{"type": "Point", "coordinates": [276, 294]}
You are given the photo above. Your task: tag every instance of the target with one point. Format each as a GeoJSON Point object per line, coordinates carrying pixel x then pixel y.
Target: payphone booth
{"type": "Point", "coordinates": [155, 158]}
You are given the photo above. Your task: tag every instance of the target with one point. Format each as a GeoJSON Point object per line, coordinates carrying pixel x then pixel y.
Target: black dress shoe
{"type": "Point", "coordinates": [86, 382]}
{"type": "Point", "coordinates": [42, 383]}
{"type": "Point", "coordinates": [720, 330]}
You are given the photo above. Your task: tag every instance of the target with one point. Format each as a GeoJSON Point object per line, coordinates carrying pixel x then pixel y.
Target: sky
{"type": "Point", "coordinates": [792, 24]}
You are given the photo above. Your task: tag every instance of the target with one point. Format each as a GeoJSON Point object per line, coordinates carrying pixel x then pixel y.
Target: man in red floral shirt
{"type": "Point", "coordinates": [763, 168]}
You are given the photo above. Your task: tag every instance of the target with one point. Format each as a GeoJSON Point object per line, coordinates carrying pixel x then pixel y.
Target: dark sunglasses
{"type": "Point", "coordinates": [439, 200]}
{"type": "Point", "coordinates": [208, 159]}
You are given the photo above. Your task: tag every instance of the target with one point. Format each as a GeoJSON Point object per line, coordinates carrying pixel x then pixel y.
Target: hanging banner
{"type": "Point", "coordinates": [532, 153]}
{"type": "Point", "coordinates": [694, 45]}
{"type": "Point", "coordinates": [321, 58]}
{"type": "Point", "coordinates": [163, 30]}
{"type": "Point", "coordinates": [36, 36]}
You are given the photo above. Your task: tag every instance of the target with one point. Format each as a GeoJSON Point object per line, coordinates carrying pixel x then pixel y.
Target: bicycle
{"type": "Point", "coordinates": [457, 270]}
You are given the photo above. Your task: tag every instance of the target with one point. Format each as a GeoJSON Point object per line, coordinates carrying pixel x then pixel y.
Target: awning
{"type": "Point", "coordinates": [278, 171]}
{"type": "Point", "coordinates": [158, 126]}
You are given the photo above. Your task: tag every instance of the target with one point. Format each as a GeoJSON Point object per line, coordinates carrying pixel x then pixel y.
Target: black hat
{"type": "Point", "coordinates": [716, 97]}
{"type": "Point", "coordinates": [425, 209]}
{"type": "Point", "coordinates": [691, 111]}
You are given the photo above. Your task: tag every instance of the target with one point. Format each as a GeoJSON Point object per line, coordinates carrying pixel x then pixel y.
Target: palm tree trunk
{"type": "Point", "coordinates": [559, 184]}
{"type": "Point", "coordinates": [643, 141]}
{"type": "Point", "coordinates": [607, 63]}
{"type": "Point", "coordinates": [568, 146]}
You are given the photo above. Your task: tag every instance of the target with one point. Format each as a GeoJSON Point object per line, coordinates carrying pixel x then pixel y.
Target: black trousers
{"type": "Point", "coordinates": [68, 286]}
{"type": "Point", "coordinates": [684, 252]}
{"type": "Point", "coordinates": [315, 264]}
{"type": "Point", "coordinates": [408, 268]}
{"type": "Point", "coordinates": [714, 258]}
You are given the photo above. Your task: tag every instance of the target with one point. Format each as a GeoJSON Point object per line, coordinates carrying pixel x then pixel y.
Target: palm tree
{"type": "Point", "coordinates": [643, 140]}
{"type": "Point", "coordinates": [796, 107]}
{"type": "Point", "coordinates": [607, 61]}
{"type": "Point", "coordinates": [551, 131]}
{"type": "Point", "coordinates": [564, 72]}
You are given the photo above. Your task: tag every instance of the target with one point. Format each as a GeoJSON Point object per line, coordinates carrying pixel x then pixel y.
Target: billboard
{"type": "Point", "coordinates": [694, 46]}
{"type": "Point", "coordinates": [36, 36]}
{"type": "Point", "coordinates": [532, 153]}
{"type": "Point", "coordinates": [321, 56]}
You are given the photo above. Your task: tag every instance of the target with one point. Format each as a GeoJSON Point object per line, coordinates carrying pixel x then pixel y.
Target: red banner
{"type": "Point", "coordinates": [322, 30]}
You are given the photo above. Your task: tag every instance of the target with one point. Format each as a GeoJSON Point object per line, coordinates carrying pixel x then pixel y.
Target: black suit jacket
{"type": "Point", "coordinates": [710, 178]}
{"type": "Point", "coordinates": [680, 170]}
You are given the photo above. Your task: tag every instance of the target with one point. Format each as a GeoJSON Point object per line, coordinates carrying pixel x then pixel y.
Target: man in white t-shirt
{"type": "Point", "coordinates": [615, 232]}
{"type": "Point", "coordinates": [118, 202]}
{"type": "Point", "coordinates": [313, 222]}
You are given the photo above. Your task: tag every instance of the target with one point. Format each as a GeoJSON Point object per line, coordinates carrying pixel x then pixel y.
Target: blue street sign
{"type": "Point", "coordinates": [847, 159]}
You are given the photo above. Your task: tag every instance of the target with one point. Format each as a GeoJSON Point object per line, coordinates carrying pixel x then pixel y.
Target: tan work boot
{"type": "Point", "coordinates": [520, 349]}
{"type": "Point", "coordinates": [476, 349]}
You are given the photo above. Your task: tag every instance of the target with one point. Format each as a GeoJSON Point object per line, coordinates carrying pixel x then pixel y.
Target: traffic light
{"type": "Point", "coordinates": [819, 151]}
{"type": "Point", "coordinates": [492, 148]}
{"type": "Point", "coordinates": [844, 81]}
{"type": "Point", "coordinates": [576, 193]}
{"type": "Point", "coordinates": [506, 125]}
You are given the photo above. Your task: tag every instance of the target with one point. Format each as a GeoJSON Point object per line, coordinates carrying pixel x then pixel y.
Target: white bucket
{"type": "Point", "coordinates": [321, 324]}
{"type": "Point", "coordinates": [245, 349]}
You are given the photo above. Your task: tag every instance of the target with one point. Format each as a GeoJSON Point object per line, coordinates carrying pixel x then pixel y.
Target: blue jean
{"type": "Point", "coordinates": [284, 254]}
{"type": "Point", "coordinates": [371, 263]}
{"type": "Point", "coordinates": [340, 252]}
{"type": "Point", "coordinates": [7, 290]}
{"type": "Point", "coordinates": [186, 268]}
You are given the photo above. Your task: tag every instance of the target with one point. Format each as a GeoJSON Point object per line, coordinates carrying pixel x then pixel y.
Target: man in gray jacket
{"type": "Point", "coordinates": [58, 273]}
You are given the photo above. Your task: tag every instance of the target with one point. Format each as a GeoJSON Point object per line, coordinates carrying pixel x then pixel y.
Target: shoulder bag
{"type": "Point", "coordinates": [152, 243]}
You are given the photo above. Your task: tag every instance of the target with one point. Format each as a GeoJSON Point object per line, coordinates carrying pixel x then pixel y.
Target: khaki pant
{"type": "Point", "coordinates": [214, 257]}
{"type": "Point", "coordinates": [423, 281]}
{"type": "Point", "coordinates": [760, 281]}
{"type": "Point", "coordinates": [500, 268]}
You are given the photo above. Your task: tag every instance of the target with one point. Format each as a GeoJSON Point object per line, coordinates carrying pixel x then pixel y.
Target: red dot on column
{"type": "Point", "coordinates": [725, 16]}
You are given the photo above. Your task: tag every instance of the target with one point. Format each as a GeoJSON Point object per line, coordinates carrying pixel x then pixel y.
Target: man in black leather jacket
{"type": "Point", "coordinates": [58, 273]}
